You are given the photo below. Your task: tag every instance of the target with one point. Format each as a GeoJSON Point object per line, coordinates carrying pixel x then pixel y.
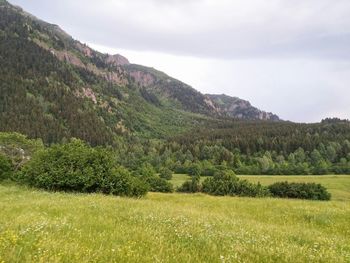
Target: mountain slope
{"type": "Point", "coordinates": [54, 87]}
{"type": "Point", "coordinates": [241, 109]}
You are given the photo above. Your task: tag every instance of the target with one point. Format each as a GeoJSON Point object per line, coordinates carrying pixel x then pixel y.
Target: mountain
{"type": "Point", "coordinates": [55, 87]}
{"type": "Point", "coordinates": [241, 109]}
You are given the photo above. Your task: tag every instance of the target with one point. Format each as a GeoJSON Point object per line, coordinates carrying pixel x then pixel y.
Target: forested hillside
{"type": "Point", "coordinates": [55, 88]}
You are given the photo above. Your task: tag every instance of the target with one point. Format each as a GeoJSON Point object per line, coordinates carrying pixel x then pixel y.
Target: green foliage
{"type": "Point", "coordinates": [269, 148]}
{"type": "Point", "coordinates": [154, 182]}
{"type": "Point", "coordinates": [166, 174]}
{"type": "Point", "coordinates": [226, 183]}
{"type": "Point", "coordinates": [18, 148]}
{"type": "Point", "coordinates": [299, 190]}
{"type": "Point", "coordinates": [121, 182]}
{"type": "Point", "coordinates": [157, 184]}
{"type": "Point", "coordinates": [146, 170]}
{"type": "Point", "coordinates": [6, 167]}
{"type": "Point", "coordinates": [150, 97]}
{"type": "Point", "coordinates": [192, 186]}
{"type": "Point", "coordinates": [195, 169]}
{"type": "Point", "coordinates": [77, 167]}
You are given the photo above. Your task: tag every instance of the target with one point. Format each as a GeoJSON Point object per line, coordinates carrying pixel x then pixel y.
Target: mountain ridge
{"type": "Point", "coordinates": [80, 92]}
{"type": "Point", "coordinates": [238, 108]}
{"type": "Point", "coordinates": [143, 76]}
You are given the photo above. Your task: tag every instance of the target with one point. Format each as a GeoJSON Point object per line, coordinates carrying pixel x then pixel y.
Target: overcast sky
{"type": "Point", "coordinates": [290, 57]}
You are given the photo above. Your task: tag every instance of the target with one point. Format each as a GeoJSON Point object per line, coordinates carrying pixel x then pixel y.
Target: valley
{"type": "Point", "coordinates": [104, 160]}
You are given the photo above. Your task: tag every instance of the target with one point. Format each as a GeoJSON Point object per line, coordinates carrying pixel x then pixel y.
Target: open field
{"type": "Point", "coordinates": [37, 226]}
{"type": "Point", "coordinates": [337, 185]}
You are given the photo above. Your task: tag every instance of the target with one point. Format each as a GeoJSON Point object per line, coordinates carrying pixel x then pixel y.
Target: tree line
{"type": "Point", "coordinates": [75, 166]}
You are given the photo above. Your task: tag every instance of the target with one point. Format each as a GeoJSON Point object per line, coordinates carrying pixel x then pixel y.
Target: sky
{"type": "Point", "coordinates": [289, 57]}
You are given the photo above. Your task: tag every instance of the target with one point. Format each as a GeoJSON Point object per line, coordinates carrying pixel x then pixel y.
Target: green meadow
{"type": "Point", "coordinates": [38, 226]}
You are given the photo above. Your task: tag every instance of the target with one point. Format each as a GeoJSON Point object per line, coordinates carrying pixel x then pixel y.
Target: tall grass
{"type": "Point", "coordinates": [37, 226]}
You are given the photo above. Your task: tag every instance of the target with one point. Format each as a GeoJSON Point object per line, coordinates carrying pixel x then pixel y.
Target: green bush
{"type": "Point", "coordinates": [157, 184]}
{"type": "Point", "coordinates": [121, 182]}
{"type": "Point", "coordinates": [195, 169]}
{"type": "Point", "coordinates": [145, 170]}
{"type": "Point", "coordinates": [166, 174]}
{"type": "Point", "coordinates": [6, 167]}
{"type": "Point", "coordinates": [226, 183]}
{"type": "Point", "coordinates": [310, 191]}
{"type": "Point", "coordinates": [192, 186]}
{"type": "Point", "coordinates": [78, 167]}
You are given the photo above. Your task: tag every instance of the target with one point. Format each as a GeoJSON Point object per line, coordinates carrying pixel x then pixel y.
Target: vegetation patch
{"type": "Point", "coordinates": [226, 183]}
{"type": "Point", "coordinates": [299, 190]}
{"type": "Point", "coordinates": [77, 167]}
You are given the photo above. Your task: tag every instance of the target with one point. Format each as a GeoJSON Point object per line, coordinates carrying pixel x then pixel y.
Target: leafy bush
{"type": "Point", "coordinates": [166, 174]}
{"type": "Point", "coordinates": [194, 169]}
{"type": "Point", "coordinates": [145, 170]}
{"type": "Point", "coordinates": [157, 184]}
{"type": "Point", "coordinates": [310, 191]}
{"type": "Point", "coordinates": [78, 167]}
{"type": "Point", "coordinates": [6, 167]}
{"type": "Point", "coordinates": [209, 171]}
{"type": "Point", "coordinates": [192, 186]}
{"type": "Point", "coordinates": [121, 182]}
{"type": "Point", "coordinates": [226, 183]}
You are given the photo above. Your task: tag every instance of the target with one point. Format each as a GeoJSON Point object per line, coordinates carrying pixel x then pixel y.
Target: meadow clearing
{"type": "Point", "coordinates": [38, 226]}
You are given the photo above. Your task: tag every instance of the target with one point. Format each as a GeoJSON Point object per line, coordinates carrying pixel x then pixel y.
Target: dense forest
{"type": "Point", "coordinates": [243, 147]}
{"type": "Point", "coordinates": [248, 148]}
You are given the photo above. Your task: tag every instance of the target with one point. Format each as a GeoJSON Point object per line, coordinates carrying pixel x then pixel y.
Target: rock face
{"type": "Point", "coordinates": [117, 60]}
{"type": "Point", "coordinates": [241, 109]}
{"type": "Point", "coordinates": [142, 78]}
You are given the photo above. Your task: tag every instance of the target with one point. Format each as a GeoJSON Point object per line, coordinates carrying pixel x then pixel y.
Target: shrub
{"type": "Point", "coordinates": [157, 184]}
{"type": "Point", "coordinates": [209, 171]}
{"type": "Point", "coordinates": [226, 183]}
{"type": "Point", "coordinates": [194, 169]}
{"type": "Point", "coordinates": [121, 182]}
{"type": "Point", "coordinates": [166, 174]}
{"type": "Point", "coordinates": [146, 170]}
{"type": "Point", "coordinates": [78, 167]}
{"type": "Point", "coordinates": [6, 167]}
{"type": "Point", "coordinates": [310, 191]}
{"type": "Point", "coordinates": [192, 186]}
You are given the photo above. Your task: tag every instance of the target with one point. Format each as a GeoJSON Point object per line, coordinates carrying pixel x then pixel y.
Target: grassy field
{"type": "Point", "coordinates": [338, 185]}
{"type": "Point", "coordinates": [37, 226]}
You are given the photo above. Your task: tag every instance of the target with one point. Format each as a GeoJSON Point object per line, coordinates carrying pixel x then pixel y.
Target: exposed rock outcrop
{"type": "Point", "coordinates": [117, 60]}
{"type": "Point", "coordinates": [240, 109]}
